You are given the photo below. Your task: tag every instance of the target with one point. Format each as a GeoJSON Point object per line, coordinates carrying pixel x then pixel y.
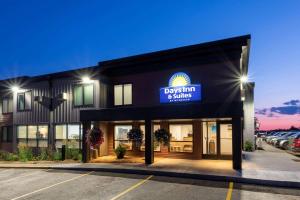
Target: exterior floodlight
{"type": "Point", "coordinates": [244, 79]}
{"type": "Point", "coordinates": [86, 79]}
{"type": "Point", "coordinates": [15, 88]}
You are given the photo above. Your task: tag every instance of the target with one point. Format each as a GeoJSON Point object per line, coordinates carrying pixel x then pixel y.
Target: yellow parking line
{"type": "Point", "coordinates": [36, 191]}
{"type": "Point", "coordinates": [132, 187]}
{"type": "Point", "coordinates": [7, 180]}
{"type": "Point", "coordinates": [229, 193]}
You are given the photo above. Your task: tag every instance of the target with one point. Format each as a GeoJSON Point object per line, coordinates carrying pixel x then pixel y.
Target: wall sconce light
{"type": "Point", "coordinates": [86, 79]}
{"type": "Point", "coordinates": [244, 79]}
{"type": "Point", "coordinates": [15, 88]}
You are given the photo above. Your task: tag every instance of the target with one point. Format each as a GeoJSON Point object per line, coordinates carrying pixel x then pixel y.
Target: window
{"type": "Point", "coordinates": [68, 132]}
{"type": "Point", "coordinates": [156, 144]}
{"type": "Point", "coordinates": [181, 138]}
{"type": "Point", "coordinates": [123, 94]}
{"type": "Point", "coordinates": [74, 135]}
{"type": "Point", "coordinates": [33, 135]}
{"type": "Point", "coordinates": [60, 132]}
{"type": "Point", "coordinates": [84, 95]}
{"type": "Point", "coordinates": [24, 101]}
{"type": "Point", "coordinates": [6, 134]}
{"type": "Point", "coordinates": [22, 134]}
{"type": "Point", "coordinates": [43, 135]}
{"type": "Point", "coordinates": [121, 136]}
{"type": "Point", "coordinates": [7, 105]}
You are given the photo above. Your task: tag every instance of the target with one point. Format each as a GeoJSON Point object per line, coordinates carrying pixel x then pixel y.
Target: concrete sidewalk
{"type": "Point", "coordinates": [271, 167]}
{"type": "Point", "coordinates": [271, 164]}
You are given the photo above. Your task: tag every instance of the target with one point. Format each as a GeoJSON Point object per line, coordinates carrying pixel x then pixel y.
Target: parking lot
{"type": "Point", "coordinates": [58, 184]}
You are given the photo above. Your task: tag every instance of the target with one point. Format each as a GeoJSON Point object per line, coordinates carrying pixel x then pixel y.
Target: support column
{"type": "Point", "coordinates": [237, 143]}
{"type": "Point", "coordinates": [149, 143]}
{"type": "Point", "coordinates": [197, 139]}
{"type": "Point", "coordinates": [86, 125]}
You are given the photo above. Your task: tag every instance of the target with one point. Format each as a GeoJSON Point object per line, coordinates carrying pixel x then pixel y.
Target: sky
{"type": "Point", "coordinates": [38, 37]}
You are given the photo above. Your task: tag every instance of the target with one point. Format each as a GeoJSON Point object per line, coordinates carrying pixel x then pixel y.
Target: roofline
{"type": "Point", "coordinates": [239, 39]}
{"type": "Point", "coordinates": [62, 74]}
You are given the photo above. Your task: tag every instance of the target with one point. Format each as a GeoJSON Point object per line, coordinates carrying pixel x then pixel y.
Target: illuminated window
{"type": "Point", "coordinates": [83, 95]}
{"type": "Point", "coordinates": [33, 135]}
{"type": "Point", "coordinates": [24, 101]}
{"type": "Point", "coordinates": [121, 136]}
{"type": "Point", "coordinates": [181, 138]}
{"type": "Point", "coordinates": [68, 133]}
{"type": "Point", "coordinates": [123, 94]}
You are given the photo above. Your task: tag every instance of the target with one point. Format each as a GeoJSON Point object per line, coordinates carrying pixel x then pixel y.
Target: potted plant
{"type": "Point", "coordinates": [136, 136]}
{"type": "Point", "coordinates": [120, 151]}
{"type": "Point", "coordinates": [163, 137]}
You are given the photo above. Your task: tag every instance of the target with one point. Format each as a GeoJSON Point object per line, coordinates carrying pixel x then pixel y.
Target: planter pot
{"type": "Point", "coordinates": [120, 156]}
{"type": "Point", "coordinates": [135, 147]}
{"type": "Point", "coordinates": [164, 149]}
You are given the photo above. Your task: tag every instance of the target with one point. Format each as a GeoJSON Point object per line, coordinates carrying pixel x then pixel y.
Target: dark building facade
{"type": "Point", "coordinates": [197, 93]}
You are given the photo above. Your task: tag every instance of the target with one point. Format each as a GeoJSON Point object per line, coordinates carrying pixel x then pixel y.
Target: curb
{"type": "Point", "coordinates": [235, 179]}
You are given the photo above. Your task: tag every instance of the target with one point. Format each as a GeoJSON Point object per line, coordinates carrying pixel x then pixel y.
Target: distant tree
{"type": "Point", "coordinates": [256, 124]}
{"type": "Point", "coordinates": [293, 128]}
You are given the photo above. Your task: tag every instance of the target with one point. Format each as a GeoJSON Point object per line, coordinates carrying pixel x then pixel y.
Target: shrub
{"type": "Point", "coordinates": [3, 155]}
{"type": "Point", "coordinates": [10, 157]}
{"type": "Point", "coordinates": [24, 153]}
{"type": "Point", "coordinates": [57, 155]}
{"type": "Point", "coordinates": [120, 152]}
{"type": "Point", "coordinates": [248, 146]}
{"type": "Point", "coordinates": [162, 136]}
{"type": "Point", "coordinates": [50, 153]}
{"type": "Point", "coordinates": [72, 153]}
{"type": "Point", "coordinates": [43, 155]}
{"type": "Point", "coordinates": [14, 157]}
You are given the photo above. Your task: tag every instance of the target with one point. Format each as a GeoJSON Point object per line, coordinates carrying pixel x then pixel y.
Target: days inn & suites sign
{"type": "Point", "coordinates": [180, 89]}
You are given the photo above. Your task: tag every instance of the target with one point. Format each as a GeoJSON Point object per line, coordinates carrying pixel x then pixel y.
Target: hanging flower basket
{"type": "Point", "coordinates": [95, 137]}
{"type": "Point", "coordinates": [162, 136]}
{"type": "Point", "coordinates": [136, 136]}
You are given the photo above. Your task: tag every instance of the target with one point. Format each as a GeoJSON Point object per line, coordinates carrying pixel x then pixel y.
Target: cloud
{"type": "Point", "coordinates": [291, 107]}
{"type": "Point", "coordinates": [286, 110]}
{"type": "Point", "coordinates": [261, 111]}
{"type": "Point", "coordinates": [292, 103]}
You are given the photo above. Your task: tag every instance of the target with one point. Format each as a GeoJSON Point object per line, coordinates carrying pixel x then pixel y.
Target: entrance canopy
{"type": "Point", "coordinates": [165, 111]}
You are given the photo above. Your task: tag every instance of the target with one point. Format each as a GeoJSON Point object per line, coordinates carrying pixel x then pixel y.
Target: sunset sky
{"type": "Point", "coordinates": [38, 37]}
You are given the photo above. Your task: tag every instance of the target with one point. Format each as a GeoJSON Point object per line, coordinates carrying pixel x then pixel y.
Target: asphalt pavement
{"type": "Point", "coordinates": [65, 184]}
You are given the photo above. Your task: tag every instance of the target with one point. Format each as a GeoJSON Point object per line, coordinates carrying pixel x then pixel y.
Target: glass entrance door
{"type": "Point", "coordinates": [217, 139]}
{"type": "Point", "coordinates": [226, 138]}
{"type": "Point", "coordinates": [209, 131]}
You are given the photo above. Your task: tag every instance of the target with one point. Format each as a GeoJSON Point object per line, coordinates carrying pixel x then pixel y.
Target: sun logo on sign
{"type": "Point", "coordinates": [179, 79]}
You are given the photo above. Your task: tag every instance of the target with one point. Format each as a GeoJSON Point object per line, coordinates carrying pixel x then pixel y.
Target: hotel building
{"type": "Point", "coordinates": [198, 93]}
